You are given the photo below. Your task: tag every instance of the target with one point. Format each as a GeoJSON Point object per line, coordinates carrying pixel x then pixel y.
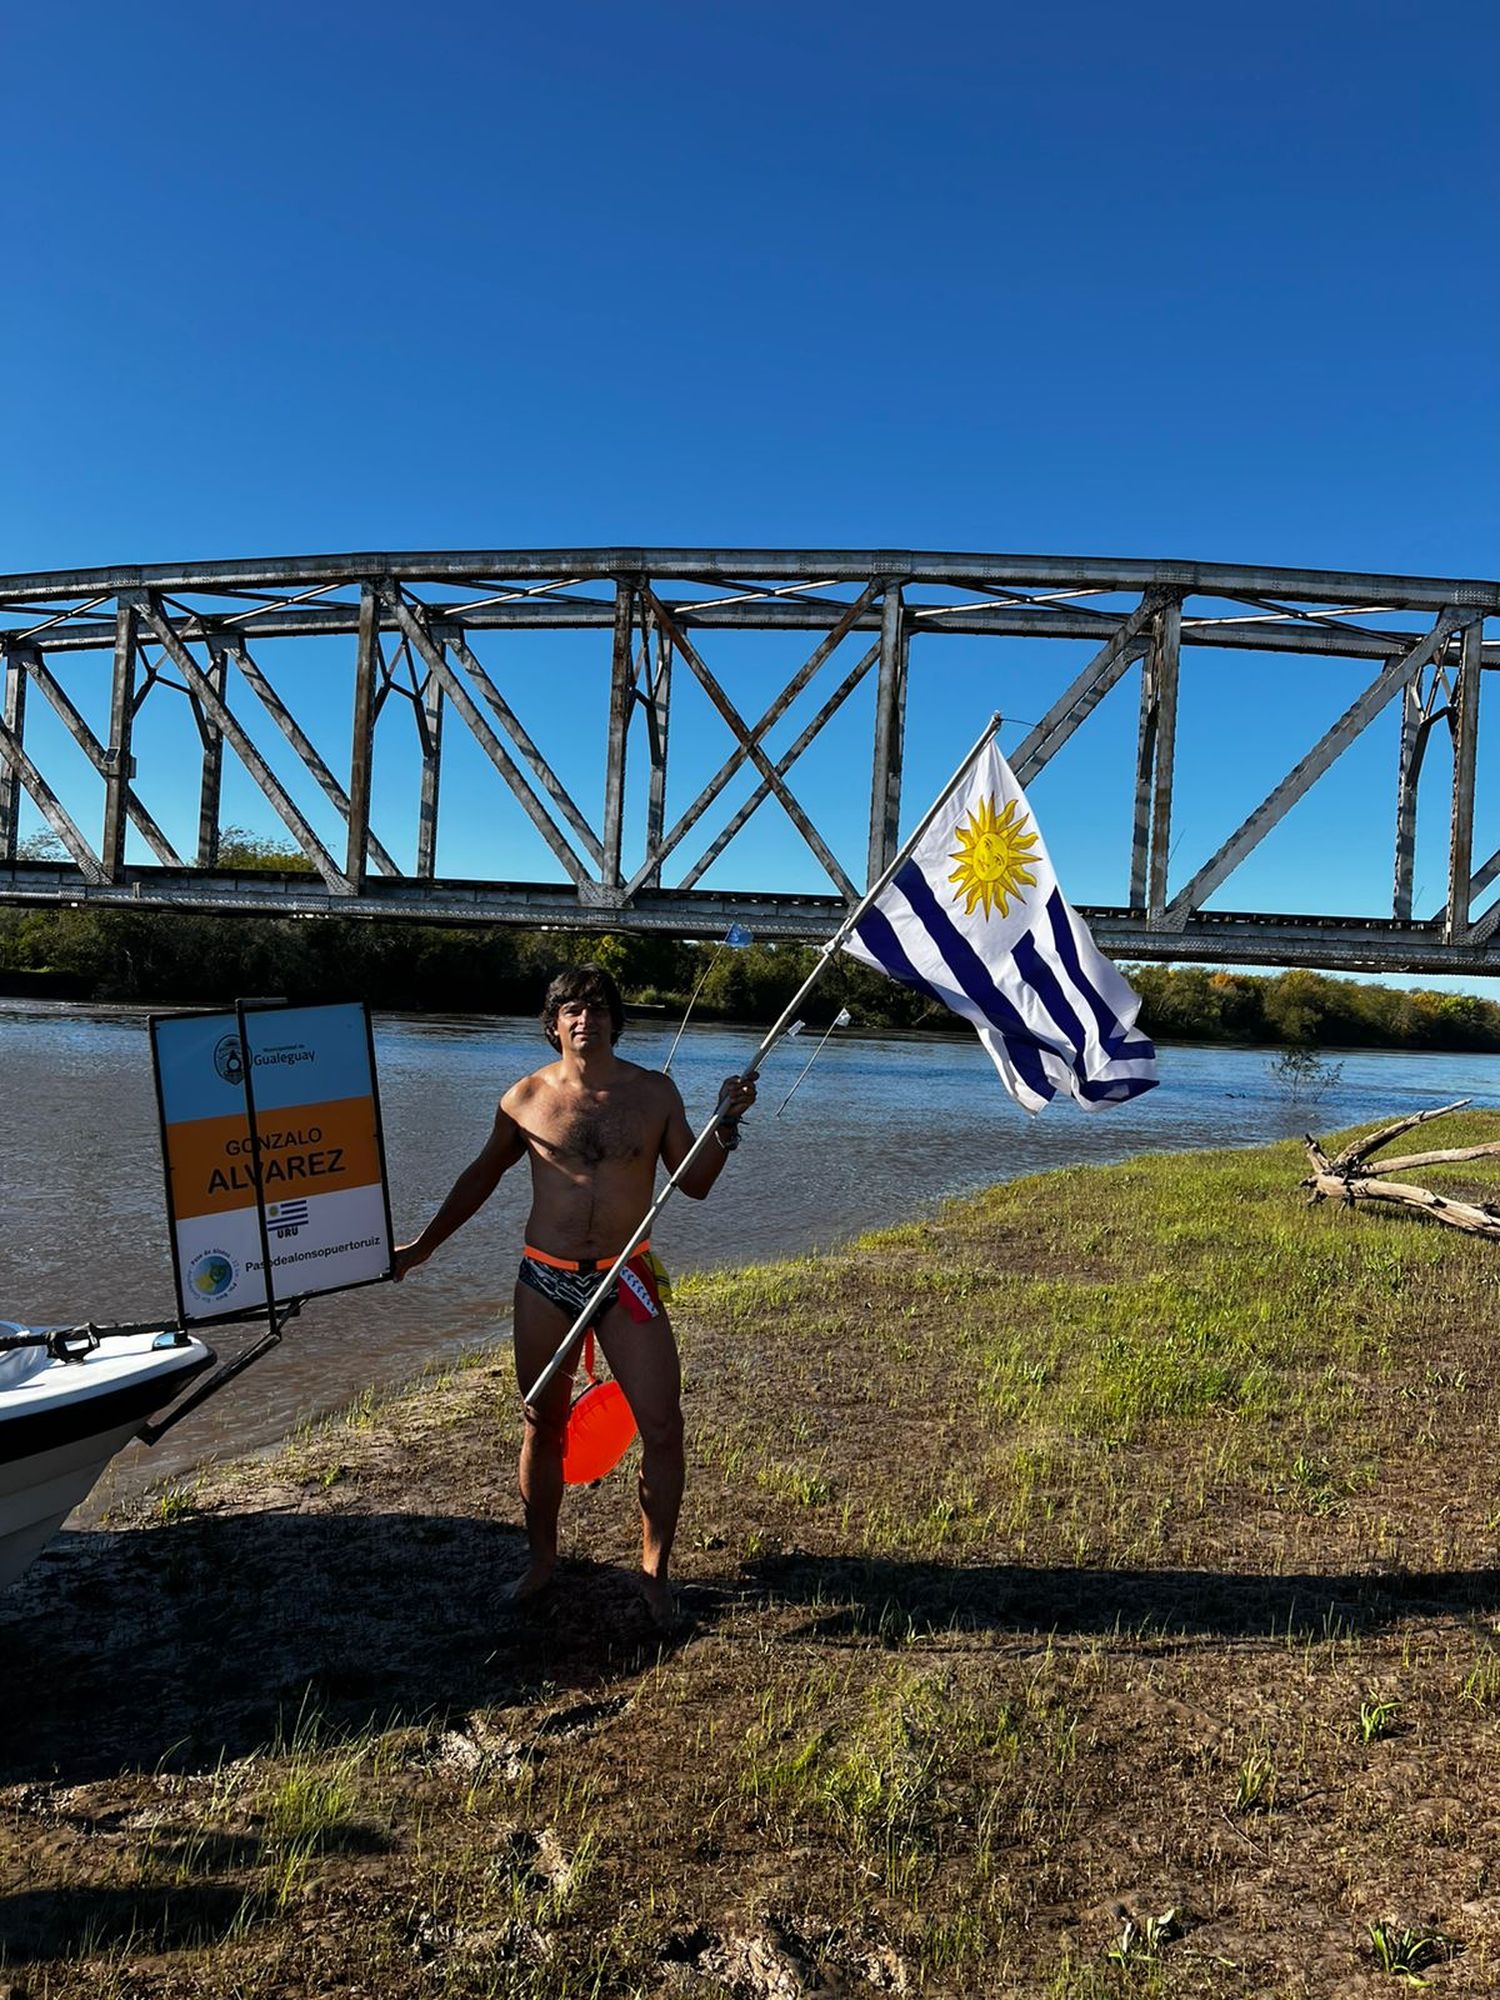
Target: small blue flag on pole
{"type": "Point", "coordinates": [738, 936]}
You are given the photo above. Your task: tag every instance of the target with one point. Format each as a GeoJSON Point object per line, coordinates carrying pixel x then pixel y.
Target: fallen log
{"type": "Point", "coordinates": [1348, 1177]}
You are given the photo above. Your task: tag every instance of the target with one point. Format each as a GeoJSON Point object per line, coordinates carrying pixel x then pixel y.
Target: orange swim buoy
{"type": "Point", "coordinates": [600, 1427]}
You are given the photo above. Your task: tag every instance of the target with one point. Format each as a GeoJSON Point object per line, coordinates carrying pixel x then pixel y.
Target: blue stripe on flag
{"type": "Point", "coordinates": [1043, 981]}
{"type": "Point", "coordinates": [974, 978]}
{"type": "Point", "coordinates": [874, 931]}
{"type": "Point", "coordinates": [881, 941]}
{"type": "Point", "coordinates": [1035, 970]}
{"type": "Point", "coordinates": [1115, 1090]}
{"type": "Point", "coordinates": [1121, 1045]}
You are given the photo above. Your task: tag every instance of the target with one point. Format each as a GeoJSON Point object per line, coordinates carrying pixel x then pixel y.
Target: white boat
{"type": "Point", "coordinates": [69, 1401]}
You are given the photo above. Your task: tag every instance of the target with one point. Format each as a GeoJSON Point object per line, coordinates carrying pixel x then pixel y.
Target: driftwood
{"type": "Point", "coordinates": [1347, 1177]}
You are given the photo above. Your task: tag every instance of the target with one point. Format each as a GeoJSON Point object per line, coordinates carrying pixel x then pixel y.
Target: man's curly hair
{"type": "Point", "coordinates": [582, 982]}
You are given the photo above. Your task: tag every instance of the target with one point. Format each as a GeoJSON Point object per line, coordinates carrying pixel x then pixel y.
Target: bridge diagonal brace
{"type": "Point", "coordinates": [436, 660]}
{"type": "Point", "coordinates": [255, 679]}
{"type": "Point", "coordinates": [1482, 878]}
{"type": "Point", "coordinates": [784, 763]}
{"type": "Point", "coordinates": [235, 736]}
{"type": "Point", "coordinates": [1087, 690]}
{"type": "Point", "coordinates": [546, 777]}
{"type": "Point", "coordinates": [749, 740]}
{"type": "Point", "coordinates": [52, 809]}
{"type": "Point", "coordinates": [1397, 675]}
{"type": "Point", "coordinates": [804, 674]}
{"type": "Point", "coordinates": [94, 750]}
{"type": "Point", "coordinates": [154, 679]}
{"type": "Point", "coordinates": [1484, 929]}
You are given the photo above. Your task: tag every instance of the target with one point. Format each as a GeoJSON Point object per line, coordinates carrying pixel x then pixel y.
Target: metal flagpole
{"type": "Point", "coordinates": [772, 1037]}
{"type": "Point", "coordinates": [840, 1020]}
{"type": "Point", "coordinates": [728, 938]}
{"type": "Point", "coordinates": [682, 1024]}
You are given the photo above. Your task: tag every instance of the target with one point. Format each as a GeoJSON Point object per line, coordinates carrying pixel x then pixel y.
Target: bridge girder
{"type": "Point", "coordinates": [418, 623]}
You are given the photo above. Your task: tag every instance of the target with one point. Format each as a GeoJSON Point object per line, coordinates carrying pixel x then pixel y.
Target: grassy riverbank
{"type": "Point", "coordinates": [1119, 1543]}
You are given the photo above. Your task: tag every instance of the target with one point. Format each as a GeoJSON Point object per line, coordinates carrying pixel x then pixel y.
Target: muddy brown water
{"type": "Point", "coordinates": [882, 1128]}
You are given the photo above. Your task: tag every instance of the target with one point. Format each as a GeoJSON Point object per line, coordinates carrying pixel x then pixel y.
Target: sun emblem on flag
{"type": "Point", "coordinates": [993, 856]}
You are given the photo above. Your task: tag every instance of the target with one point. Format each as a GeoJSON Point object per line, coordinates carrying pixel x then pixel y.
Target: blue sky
{"type": "Point", "coordinates": [1143, 282]}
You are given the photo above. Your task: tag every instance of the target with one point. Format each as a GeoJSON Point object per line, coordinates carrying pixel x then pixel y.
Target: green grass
{"type": "Point", "coordinates": [1213, 1312]}
{"type": "Point", "coordinates": [1053, 1642]}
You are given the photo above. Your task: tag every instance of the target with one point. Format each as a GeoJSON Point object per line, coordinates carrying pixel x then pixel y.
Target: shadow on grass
{"type": "Point", "coordinates": [181, 1647]}
{"type": "Point", "coordinates": [168, 1913]}
{"type": "Point", "coordinates": [38, 1925]}
{"type": "Point", "coordinates": [893, 1601]}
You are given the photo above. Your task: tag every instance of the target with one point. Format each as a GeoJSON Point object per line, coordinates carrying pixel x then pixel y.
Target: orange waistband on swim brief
{"type": "Point", "coordinates": [579, 1263]}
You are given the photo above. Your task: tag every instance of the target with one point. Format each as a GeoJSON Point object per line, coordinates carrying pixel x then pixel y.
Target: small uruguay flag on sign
{"type": "Point", "coordinates": [975, 919]}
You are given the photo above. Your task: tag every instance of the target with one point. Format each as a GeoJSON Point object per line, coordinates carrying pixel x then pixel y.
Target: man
{"type": "Point", "coordinates": [593, 1128]}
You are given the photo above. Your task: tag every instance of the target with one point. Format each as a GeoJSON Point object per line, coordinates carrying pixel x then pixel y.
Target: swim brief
{"type": "Point", "coordinates": [569, 1283]}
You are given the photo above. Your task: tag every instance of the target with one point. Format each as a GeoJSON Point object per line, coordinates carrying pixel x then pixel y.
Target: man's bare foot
{"type": "Point", "coordinates": [661, 1602]}
{"type": "Point", "coordinates": [534, 1583]}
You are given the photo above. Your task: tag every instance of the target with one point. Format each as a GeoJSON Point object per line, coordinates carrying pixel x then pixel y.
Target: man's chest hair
{"type": "Point", "coordinates": [577, 1126]}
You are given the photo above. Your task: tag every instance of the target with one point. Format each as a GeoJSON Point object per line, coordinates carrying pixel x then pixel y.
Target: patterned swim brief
{"type": "Point", "coordinates": [569, 1283]}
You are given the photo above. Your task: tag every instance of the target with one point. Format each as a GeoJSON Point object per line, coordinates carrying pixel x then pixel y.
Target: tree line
{"type": "Point", "coordinates": [174, 958]}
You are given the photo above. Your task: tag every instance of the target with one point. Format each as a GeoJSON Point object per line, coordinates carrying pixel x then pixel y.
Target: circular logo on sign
{"type": "Point", "coordinates": [229, 1060]}
{"type": "Point", "coordinates": [211, 1274]}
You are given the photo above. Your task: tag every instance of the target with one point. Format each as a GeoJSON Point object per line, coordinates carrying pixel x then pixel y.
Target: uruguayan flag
{"type": "Point", "coordinates": [974, 917]}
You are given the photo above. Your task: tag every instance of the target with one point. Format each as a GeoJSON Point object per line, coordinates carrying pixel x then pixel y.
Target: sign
{"type": "Point", "coordinates": [271, 1140]}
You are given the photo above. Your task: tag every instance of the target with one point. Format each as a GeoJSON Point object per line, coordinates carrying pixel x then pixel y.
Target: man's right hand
{"type": "Point", "coordinates": [406, 1257]}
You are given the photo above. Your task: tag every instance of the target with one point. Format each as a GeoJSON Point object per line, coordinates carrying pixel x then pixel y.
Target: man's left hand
{"type": "Point", "coordinates": [736, 1095]}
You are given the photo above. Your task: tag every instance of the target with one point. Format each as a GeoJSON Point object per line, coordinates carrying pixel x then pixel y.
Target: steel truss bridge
{"type": "Point", "coordinates": [430, 653]}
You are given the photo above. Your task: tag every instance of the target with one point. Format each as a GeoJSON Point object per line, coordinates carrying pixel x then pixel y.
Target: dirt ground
{"type": "Point", "coordinates": [996, 1674]}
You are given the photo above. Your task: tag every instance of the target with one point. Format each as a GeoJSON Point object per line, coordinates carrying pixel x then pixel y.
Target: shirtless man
{"type": "Point", "coordinates": [593, 1128]}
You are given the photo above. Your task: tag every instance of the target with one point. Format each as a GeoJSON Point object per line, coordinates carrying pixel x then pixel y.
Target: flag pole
{"type": "Point", "coordinates": [904, 854]}
{"type": "Point", "coordinates": [737, 937]}
{"type": "Point", "coordinates": [837, 1020]}
{"type": "Point", "coordinates": [773, 1036]}
{"type": "Point", "coordinates": [702, 982]}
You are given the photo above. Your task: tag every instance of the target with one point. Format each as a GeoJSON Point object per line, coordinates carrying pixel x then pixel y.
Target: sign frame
{"type": "Point", "coordinates": [268, 1297]}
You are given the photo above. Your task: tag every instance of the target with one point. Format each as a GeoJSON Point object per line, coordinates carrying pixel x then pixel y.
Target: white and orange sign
{"type": "Point", "coordinates": [284, 1116]}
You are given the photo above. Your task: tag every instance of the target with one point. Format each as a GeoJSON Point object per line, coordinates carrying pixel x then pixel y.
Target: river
{"type": "Point", "coordinates": [882, 1128]}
